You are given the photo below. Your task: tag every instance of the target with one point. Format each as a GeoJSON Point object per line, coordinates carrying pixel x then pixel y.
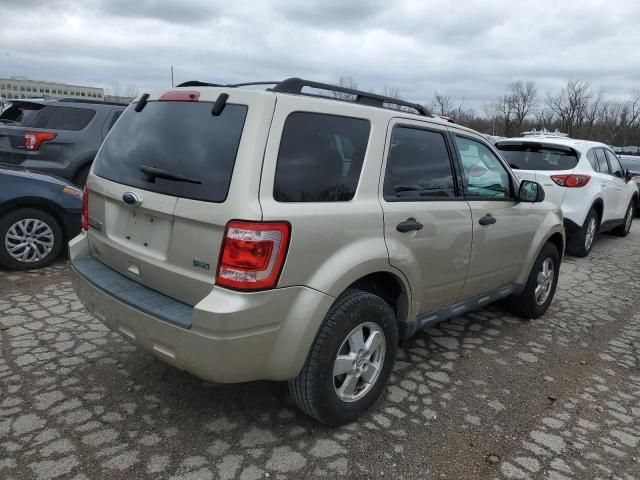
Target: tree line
{"type": "Point", "coordinates": [577, 109]}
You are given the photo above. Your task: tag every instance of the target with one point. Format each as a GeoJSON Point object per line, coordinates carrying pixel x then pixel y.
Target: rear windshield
{"type": "Point", "coordinates": [181, 138]}
{"type": "Point", "coordinates": [537, 157]}
{"type": "Point", "coordinates": [23, 115]}
{"type": "Point", "coordinates": [36, 115]}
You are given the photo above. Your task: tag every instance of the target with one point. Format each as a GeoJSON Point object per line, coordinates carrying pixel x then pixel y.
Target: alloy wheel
{"type": "Point", "coordinates": [359, 362]}
{"type": "Point", "coordinates": [545, 279]}
{"type": "Point", "coordinates": [591, 233]}
{"type": "Point", "coordinates": [29, 240]}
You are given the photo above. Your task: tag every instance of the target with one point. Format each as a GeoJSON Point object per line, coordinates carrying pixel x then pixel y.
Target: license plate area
{"type": "Point", "coordinates": [147, 231]}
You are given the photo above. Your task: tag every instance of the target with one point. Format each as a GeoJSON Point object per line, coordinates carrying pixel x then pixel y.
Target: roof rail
{"type": "Point", "coordinates": [86, 100]}
{"type": "Point", "coordinates": [295, 86]}
{"type": "Point", "coordinates": [544, 133]}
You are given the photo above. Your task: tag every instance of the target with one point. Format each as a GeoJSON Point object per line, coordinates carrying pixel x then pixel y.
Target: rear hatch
{"type": "Point", "coordinates": [168, 179]}
{"type": "Point", "coordinates": [538, 162]}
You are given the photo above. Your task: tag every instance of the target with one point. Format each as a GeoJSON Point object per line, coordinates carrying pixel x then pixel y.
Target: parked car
{"type": "Point", "coordinates": [631, 163]}
{"type": "Point", "coordinates": [243, 235]}
{"type": "Point", "coordinates": [38, 215]}
{"type": "Point", "coordinates": [58, 137]}
{"type": "Point", "coordinates": [584, 178]}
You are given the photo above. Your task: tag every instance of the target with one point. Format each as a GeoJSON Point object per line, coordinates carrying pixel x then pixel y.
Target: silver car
{"type": "Point", "coordinates": [242, 234]}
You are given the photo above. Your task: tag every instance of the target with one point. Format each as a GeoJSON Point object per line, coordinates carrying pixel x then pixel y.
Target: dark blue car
{"type": "Point", "coordinates": [39, 214]}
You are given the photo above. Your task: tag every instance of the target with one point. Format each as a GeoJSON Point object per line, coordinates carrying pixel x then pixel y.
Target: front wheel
{"type": "Point", "coordinates": [541, 285]}
{"type": "Point", "coordinates": [623, 230]}
{"type": "Point", "coordinates": [350, 360]}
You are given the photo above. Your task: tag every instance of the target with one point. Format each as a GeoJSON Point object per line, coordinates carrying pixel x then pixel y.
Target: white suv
{"type": "Point", "coordinates": [584, 178]}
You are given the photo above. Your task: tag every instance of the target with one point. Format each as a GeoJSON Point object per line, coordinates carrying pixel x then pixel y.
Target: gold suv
{"type": "Point", "coordinates": [241, 234]}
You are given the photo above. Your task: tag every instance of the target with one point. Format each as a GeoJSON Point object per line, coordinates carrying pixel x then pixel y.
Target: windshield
{"type": "Point", "coordinates": [537, 157]}
{"type": "Point", "coordinates": [180, 139]}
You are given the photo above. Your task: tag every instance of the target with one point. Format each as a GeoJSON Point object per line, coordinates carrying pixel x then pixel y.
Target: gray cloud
{"type": "Point", "coordinates": [466, 49]}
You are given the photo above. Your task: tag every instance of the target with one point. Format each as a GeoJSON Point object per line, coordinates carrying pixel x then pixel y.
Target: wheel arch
{"type": "Point", "coordinates": [391, 288]}
{"type": "Point", "coordinates": [598, 206]}
{"type": "Point", "coordinates": [43, 204]}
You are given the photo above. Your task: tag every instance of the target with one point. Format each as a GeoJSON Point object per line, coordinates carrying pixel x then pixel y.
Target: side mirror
{"type": "Point", "coordinates": [530, 192]}
{"type": "Point", "coordinates": [628, 175]}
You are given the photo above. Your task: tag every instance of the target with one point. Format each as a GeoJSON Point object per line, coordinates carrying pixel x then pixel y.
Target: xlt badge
{"type": "Point", "coordinates": [200, 263]}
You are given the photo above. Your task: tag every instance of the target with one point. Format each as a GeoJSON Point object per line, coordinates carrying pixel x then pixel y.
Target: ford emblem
{"type": "Point", "coordinates": [131, 198]}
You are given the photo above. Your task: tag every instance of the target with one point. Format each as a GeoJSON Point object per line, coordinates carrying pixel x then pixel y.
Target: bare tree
{"type": "Point", "coordinates": [522, 100]}
{"type": "Point", "coordinates": [392, 92]}
{"type": "Point", "coordinates": [570, 104]}
{"type": "Point", "coordinates": [491, 112]}
{"type": "Point", "coordinates": [506, 113]}
{"type": "Point", "coordinates": [346, 82]}
{"type": "Point", "coordinates": [441, 104]}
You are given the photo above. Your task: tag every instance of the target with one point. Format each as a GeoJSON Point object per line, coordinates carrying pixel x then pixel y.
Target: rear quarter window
{"type": "Point", "coordinates": [65, 118]}
{"type": "Point", "coordinates": [320, 158]}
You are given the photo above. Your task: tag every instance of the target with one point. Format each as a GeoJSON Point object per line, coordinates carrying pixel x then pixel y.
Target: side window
{"type": "Point", "coordinates": [616, 168]}
{"type": "Point", "coordinates": [603, 166]}
{"type": "Point", "coordinates": [115, 118]}
{"type": "Point", "coordinates": [418, 166]}
{"type": "Point", "coordinates": [320, 158]}
{"type": "Point", "coordinates": [593, 161]}
{"type": "Point", "coordinates": [484, 175]}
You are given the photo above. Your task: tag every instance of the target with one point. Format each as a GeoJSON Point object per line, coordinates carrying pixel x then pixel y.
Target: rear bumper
{"type": "Point", "coordinates": [232, 336]}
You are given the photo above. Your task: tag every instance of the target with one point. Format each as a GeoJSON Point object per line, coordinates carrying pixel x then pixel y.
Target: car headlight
{"type": "Point", "coordinates": [73, 191]}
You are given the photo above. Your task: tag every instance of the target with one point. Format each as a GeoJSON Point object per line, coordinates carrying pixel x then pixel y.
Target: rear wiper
{"type": "Point", "coordinates": [152, 173]}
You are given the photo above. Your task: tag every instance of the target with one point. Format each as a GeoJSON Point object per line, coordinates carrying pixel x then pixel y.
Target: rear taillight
{"type": "Point", "coordinates": [571, 180]}
{"type": "Point", "coordinates": [252, 255]}
{"type": "Point", "coordinates": [33, 140]}
{"type": "Point", "coordinates": [85, 209]}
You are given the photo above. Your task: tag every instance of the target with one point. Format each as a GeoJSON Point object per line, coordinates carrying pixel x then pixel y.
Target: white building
{"type": "Point", "coordinates": [21, 87]}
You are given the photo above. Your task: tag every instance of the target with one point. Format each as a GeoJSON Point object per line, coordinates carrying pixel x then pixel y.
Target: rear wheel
{"type": "Point", "coordinates": [581, 242]}
{"type": "Point", "coordinates": [29, 238]}
{"type": "Point", "coordinates": [540, 287]}
{"type": "Point", "coordinates": [623, 230]}
{"type": "Point", "coordinates": [350, 360]}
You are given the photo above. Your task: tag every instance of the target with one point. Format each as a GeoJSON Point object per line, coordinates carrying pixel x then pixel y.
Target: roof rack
{"type": "Point", "coordinates": [86, 100]}
{"type": "Point", "coordinates": [544, 133]}
{"type": "Point", "coordinates": [295, 86]}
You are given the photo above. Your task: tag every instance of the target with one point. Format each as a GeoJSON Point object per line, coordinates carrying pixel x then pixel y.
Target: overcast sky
{"type": "Point", "coordinates": [462, 48]}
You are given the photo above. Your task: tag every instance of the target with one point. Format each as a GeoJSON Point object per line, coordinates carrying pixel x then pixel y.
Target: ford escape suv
{"type": "Point", "coordinates": [242, 234]}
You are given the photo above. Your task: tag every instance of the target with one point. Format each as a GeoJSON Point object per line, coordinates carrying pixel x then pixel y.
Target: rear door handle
{"type": "Point", "coordinates": [408, 225]}
{"type": "Point", "coordinates": [488, 219]}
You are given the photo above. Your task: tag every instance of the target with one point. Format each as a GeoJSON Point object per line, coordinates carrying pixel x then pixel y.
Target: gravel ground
{"type": "Point", "coordinates": [484, 396]}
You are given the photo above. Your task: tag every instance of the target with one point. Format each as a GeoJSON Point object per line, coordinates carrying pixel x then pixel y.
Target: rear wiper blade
{"type": "Point", "coordinates": [152, 173]}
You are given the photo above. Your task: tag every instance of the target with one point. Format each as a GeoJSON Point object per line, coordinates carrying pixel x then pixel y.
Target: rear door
{"type": "Point", "coordinates": [609, 188]}
{"type": "Point", "coordinates": [620, 184]}
{"type": "Point", "coordinates": [502, 227]}
{"type": "Point", "coordinates": [166, 233]}
{"type": "Point", "coordinates": [427, 222]}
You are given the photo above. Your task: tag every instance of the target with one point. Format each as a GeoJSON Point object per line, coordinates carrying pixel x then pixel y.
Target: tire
{"type": "Point", "coordinates": [623, 230]}
{"type": "Point", "coordinates": [527, 304]}
{"type": "Point", "coordinates": [81, 175]}
{"type": "Point", "coordinates": [316, 391]}
{"type": "Point", "coordinates": [22, 222]}
{"type": "Point", "coordinates": [579, 243]}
